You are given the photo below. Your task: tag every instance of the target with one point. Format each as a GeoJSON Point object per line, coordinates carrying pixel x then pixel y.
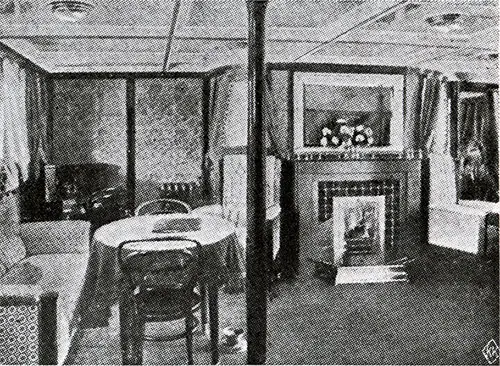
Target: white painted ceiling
{"type": "Point", "coordinates": [125, 35]}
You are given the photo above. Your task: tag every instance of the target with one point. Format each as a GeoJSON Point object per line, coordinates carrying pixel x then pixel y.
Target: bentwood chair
{"type": "Point", "coordinates": [162, 206]}
{"type": "Point", "coordinates": [160, 279]}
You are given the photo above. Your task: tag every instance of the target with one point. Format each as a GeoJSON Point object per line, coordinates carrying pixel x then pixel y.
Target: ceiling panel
{"type": "Point", "coordinates": [309, 13]}
{"type": "Point", "coordinates": [132, 35]}
{"type": "Point", "coordinates": [412, 17]}
{"type": "Point", "coordinates": [280, 13]}
{"type": "Point", "coordinates": [288, 51]}
{"type": "Point", "coordinates": [106, 12]}
{"type": "Point", "coordinates": [218, 13]}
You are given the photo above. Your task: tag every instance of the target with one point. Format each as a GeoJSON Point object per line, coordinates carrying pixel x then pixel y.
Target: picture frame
{"type": "Point", "coordinates": [327, 91]}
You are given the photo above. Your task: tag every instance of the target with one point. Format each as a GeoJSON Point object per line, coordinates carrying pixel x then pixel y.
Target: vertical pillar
{"type": "Point", "coordinates": [130, 100]}
{"type": "Point", "coordinates": [50, 119]}
{"type": "Point", "coordinates": [256, 292]}
{"type": "Point", "coordinates": [205, 169]}
{"type": "Point", "coordinates": [453, 93]}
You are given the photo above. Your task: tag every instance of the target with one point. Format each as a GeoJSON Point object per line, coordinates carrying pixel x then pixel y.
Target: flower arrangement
{"type": "Point", "coordinates": [346, 136]}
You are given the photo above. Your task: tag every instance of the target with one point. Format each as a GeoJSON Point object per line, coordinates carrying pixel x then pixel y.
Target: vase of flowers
{"type": "Point", "coordinates": [345, 136]}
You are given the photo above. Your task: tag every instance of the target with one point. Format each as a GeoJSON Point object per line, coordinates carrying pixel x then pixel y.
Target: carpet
{"type": "Point", "coordinates": [446, 314]}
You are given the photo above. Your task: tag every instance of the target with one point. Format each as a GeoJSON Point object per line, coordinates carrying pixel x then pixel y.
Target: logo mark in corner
{"type": "Point", "coordinates": [491, 351]}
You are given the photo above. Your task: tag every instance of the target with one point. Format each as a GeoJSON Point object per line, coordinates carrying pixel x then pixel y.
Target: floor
{"type": "Point", "coordinates": [445, 315]}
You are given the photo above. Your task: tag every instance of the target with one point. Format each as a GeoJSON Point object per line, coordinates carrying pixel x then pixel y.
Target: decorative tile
{"type": "Point", "coordinates": [389, 188]}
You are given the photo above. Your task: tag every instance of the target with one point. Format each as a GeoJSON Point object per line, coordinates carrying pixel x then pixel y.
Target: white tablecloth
{"type": "Point", "coordinates": [223, 257]}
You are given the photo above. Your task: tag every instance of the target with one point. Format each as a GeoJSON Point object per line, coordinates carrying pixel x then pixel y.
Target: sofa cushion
{"type": "Point", "coordinates": [9, 216]}
{"type": "Point", "coordinates": [12, 250]}
{"type": "Point", "coordinates": [62, 273]}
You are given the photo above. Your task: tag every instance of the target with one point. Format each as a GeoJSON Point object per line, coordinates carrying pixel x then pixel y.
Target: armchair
{"type": "Point", "coordinates": [455, 224]}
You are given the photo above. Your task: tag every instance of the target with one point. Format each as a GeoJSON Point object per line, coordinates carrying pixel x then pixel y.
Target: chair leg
{"type": "Point", "coordinates": [203, 307]}
{"type": "Point", "coordinates": [138, 339]}
{"type": "Point", "coordinates": [189, 328]}
{"type": "Point", "coordinates": [189, 340]}
{"type": "Point", "coordinates": [126, 328]}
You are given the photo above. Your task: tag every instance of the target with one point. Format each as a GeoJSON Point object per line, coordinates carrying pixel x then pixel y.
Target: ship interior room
{"type": "Point", "coordinates": [249, 182]}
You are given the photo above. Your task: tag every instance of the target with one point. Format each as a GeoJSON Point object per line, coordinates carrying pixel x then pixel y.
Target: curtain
{"type": "Point", "coordinates": [478, 141]}
{"type": "Point", "coordinates": [431, 106]}
{"type": "Point", "coordinates": [490, 131]}
{"type": "Point", "coordinates": [16, 155]}
{"type": "Point", "coordinates": [36, 119]}
{"type": "Point", "coordinates": [220, 88]}
{"type": "Point", "coordinates": [277, 129]}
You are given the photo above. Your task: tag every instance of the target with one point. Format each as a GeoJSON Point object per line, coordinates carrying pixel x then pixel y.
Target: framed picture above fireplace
{"type": "Point", "coordinates": [338, 111]}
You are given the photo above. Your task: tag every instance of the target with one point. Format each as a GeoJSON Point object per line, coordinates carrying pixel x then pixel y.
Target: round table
{"type": "Point", "coordinates": [223, 259]}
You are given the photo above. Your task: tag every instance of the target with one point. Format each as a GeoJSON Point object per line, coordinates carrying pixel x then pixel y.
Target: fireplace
{"type": "Point", "coordinates": [359, 211]}
{"type": "Point", "coordinates": [388, 189]}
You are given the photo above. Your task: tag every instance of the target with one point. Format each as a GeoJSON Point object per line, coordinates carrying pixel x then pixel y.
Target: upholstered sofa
{"type": "Point", "coordinates": [51, 256]}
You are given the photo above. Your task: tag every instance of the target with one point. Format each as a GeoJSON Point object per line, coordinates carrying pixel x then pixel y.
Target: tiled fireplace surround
{"type": "Point", "coordinates": [317, 182]}
{"type": "Point", "coordinates": [388, 188]}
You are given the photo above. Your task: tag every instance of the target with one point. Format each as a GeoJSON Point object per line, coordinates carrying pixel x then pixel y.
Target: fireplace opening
{"type": "Point", "coordinates": [358, 230]}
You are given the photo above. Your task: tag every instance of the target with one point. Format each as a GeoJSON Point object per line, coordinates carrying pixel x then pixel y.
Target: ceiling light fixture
{"type": "Point", "coordinates": [445, 22]}
{"type": "Point", "coordinates": [488, 56]}
{"type": "Point", "coordinates": [70, 10]}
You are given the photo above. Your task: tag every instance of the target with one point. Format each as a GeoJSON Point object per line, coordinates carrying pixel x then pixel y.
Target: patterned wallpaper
{"type": "Point", "coordinates": [169, 133]}
{"type": "Point", "coordinates": [90, 126]}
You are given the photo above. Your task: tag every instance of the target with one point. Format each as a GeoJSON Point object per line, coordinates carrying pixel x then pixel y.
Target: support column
{"type": "Point", "coordinates": [130, 87]}
{"type": "Point", "coordinates": [453, 93]}
{"type": "Point", "coordinates": [256, 291]}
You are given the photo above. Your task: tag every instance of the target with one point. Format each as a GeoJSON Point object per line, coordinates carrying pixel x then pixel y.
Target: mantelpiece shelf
{"type": "Point", "coordinates": [365, 153]}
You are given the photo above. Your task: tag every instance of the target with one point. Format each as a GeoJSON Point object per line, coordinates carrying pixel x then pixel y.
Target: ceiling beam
{"type": "Point", "coordinates": [459, 2]}
{"type": "Point", "coordinates": [298, 34]}
{"type": "Point", "coordinates": [102, 58]}
{"type": "Point", "coordinates": [181, 16]}
{"type": "Point", "coordinates": [429, 54]}
{"type": "Point", "coordinates": [362, 15]}
{"type": "Point", "coordinates": [27, 50]}
{"type": "Point", "coordinates": [78, 31]}
{"type": "Point", "coordinates": [353, 60]}
{"type": "Point", "coordinates": [71, 59]}
{"type": "Point", "coordinates": [405, 38]}
{"type": "Point", "coordinates": [476, 70]}
{"type": "Point", "coordinates": [106, 69]}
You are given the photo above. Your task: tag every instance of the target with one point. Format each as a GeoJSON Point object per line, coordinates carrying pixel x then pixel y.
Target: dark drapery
{"type": "Point", "coordinates": [32, 196]}
{"type": "Point", "coordinates": [478, 141]}
{"type": "Point", "coordinates": [430, 95]}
